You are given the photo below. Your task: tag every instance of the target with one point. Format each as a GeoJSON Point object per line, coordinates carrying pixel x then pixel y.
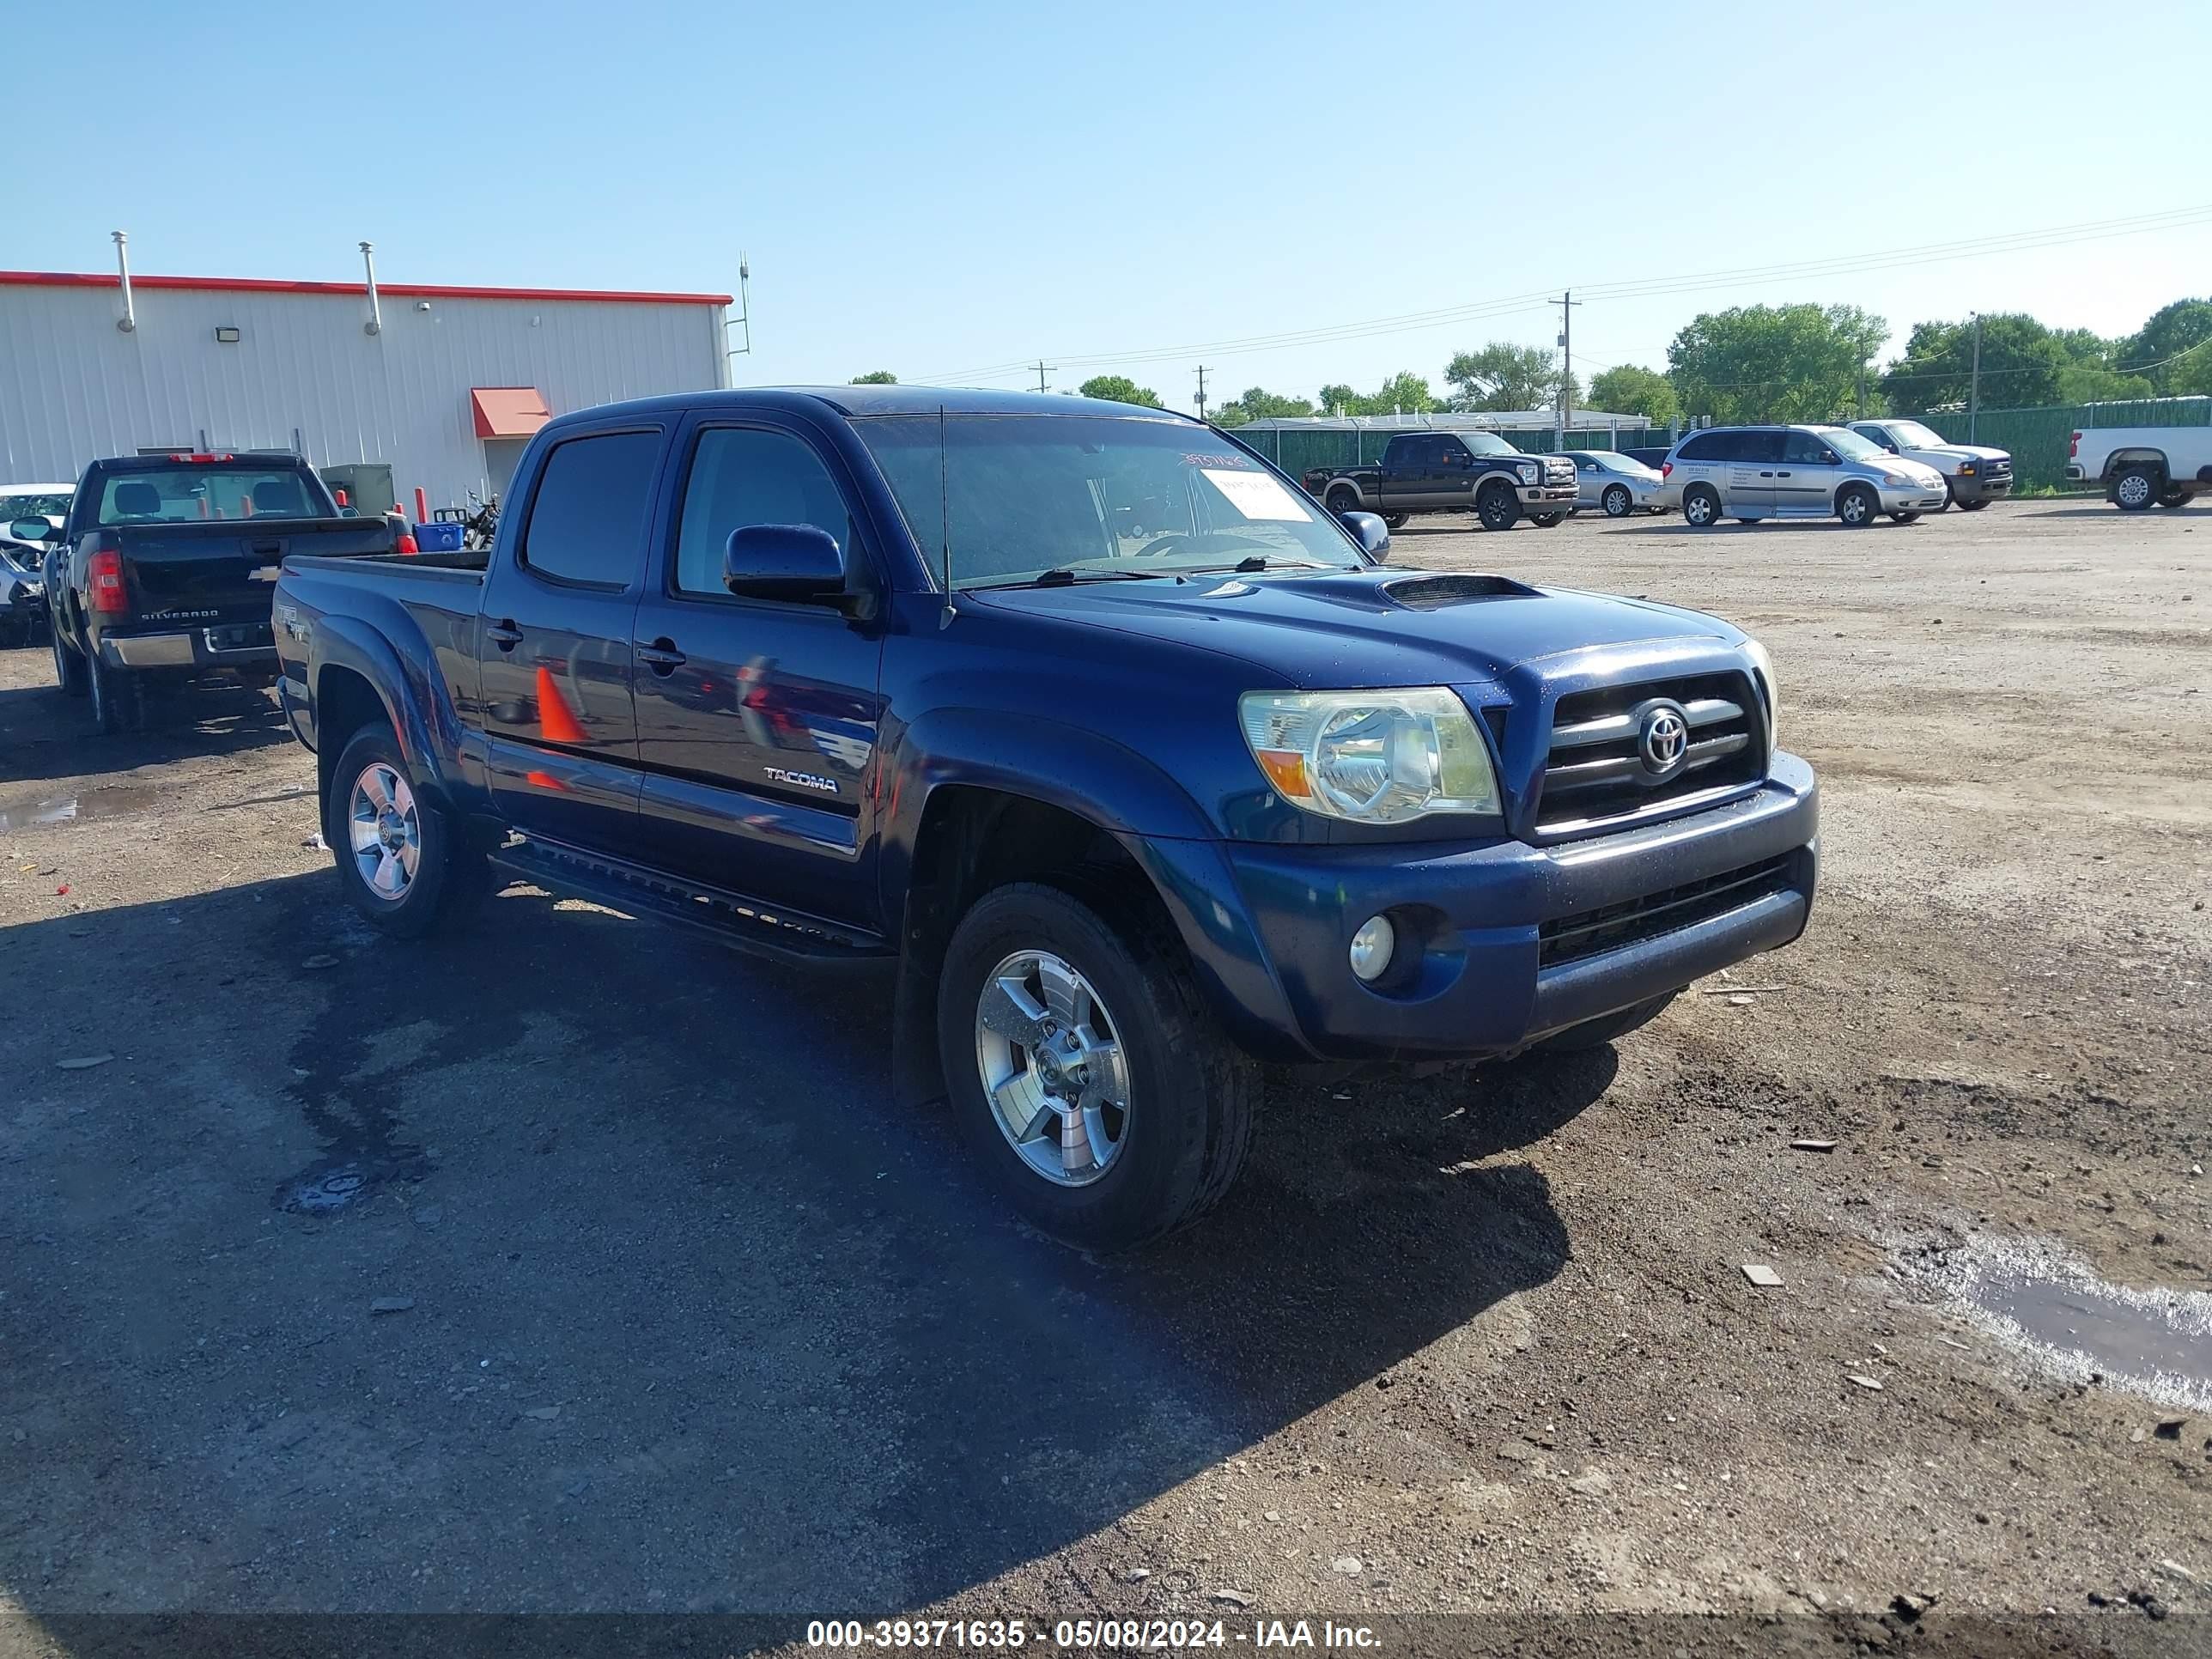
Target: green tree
{"type": "Point", "coordinates": [1503, 375]}
{"type": "Point", "coordinates": [1403, 392]}
{"type": "Point", "coordinates": [2094, 383]}
{"type": "Point", "coordinates": [2021, 364]}
{"type": "Point", "coordinates": [1629, 390]}
{"type": "Point", "coordinates": [1120, 389]}
{"type": "Point", "coordinates": [1258, 404]}
{"type": "Point", "coordinates": [874, 377]}
{"type": "Point", "coordinates": [1801, 363]}
{"type": "Point", "coordinates": [2155, 349]}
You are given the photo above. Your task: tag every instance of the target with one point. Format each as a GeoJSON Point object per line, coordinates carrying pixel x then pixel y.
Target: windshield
{"type": "Point", "coordinates": [1486, 443]}
{"type": "Point", "coordinates": [13, 508]}
{"type": "Point", "coordinates": [1910, 435]}
{"type": "Point", "coordinates": [1850, 444]}
{"type": "Point", "coordinates": [1612, 460]}
{"type": "Point", "coordinates": [172, 495]}
{"type": "Point", "coordinates": [1099, 497]}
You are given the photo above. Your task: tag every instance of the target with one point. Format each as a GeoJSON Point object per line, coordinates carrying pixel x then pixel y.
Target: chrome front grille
{"type": "Point", "coordinates": [1610, 753]}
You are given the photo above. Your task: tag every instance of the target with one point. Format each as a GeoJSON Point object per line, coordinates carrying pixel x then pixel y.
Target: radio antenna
{"type": "Point", "coordinates": [945, 521]}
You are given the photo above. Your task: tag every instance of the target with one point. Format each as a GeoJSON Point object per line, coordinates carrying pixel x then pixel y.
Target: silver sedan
{"type": "Point", "coordinates": [1615, 483]}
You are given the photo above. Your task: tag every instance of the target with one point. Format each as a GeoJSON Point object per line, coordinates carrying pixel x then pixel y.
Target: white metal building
{"type": "Point", "coordinates": [444, 384]}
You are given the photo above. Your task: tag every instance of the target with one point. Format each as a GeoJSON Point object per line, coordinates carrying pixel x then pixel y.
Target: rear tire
{"type": "Point", "coordinates": [2137, 487]}
{"type": "Point", "coordinates": [119, 698]}
{"type": "Point", "coordinates": [1903, 518]}
{"type": "Point", "coordinates": [1618, 502]}
{"type": "Point", "coordinates": [2174, 496]}
{"type": "Point", "coordinates": [1342, 500]}
{"type": "Point", "coordinates": [1858, 506]}
{"type": "Point", "coordinates": [68, 668]}
{"type": "Point", "coordinates": [1701, 506]}
{"type": "Point", "coordinates": [446, 874]}
{"type": "Point", "coordinates": [1185, 1121]}
{"type": "Point", "coordinates": [1606, 1028]}
{"type": "Point", "coordinates": [1497, 507]}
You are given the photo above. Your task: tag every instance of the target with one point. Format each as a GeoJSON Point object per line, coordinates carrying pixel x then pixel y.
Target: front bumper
{"type": "Point", "coordinates": [1548, 497]}
{"type": "Point", "coordinates": [1494, 924]}
{"type": "Point", "coordinates": [1980, 487]}
{"type": "Point", "coordinates": [1912, 498]}
{"type": "Point", "coordinates": [223, 645]}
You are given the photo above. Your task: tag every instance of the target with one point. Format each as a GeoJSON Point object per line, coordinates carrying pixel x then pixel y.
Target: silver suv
{"type": "Point", "coordinates": [1754, 472]}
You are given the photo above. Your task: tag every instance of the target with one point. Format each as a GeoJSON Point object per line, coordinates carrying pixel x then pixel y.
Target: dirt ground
{"type": "Point", "coordinates": [695, 1321]}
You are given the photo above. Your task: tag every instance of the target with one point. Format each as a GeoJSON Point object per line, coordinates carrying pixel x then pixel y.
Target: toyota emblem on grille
{"type": "Point", "coordinates": [1664, 738]}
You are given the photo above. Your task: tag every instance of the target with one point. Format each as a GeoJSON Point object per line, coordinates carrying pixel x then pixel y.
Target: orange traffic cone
{"type": "Point", "coordinates": [555, 721]}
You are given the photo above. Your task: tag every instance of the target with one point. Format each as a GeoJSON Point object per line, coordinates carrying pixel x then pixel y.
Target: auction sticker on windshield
{"type": "Point", "coordinates": [1256, 495]}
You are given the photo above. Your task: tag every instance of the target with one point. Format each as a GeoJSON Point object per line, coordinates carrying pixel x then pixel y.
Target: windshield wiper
{"type": "Point", "coordinates": [1067, 576]}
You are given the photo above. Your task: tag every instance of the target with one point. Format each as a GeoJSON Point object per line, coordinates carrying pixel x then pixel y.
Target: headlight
{"type": "Point", "coordinates": [1529, 472]}
{"type": "Point", "coordinates": [1764, 663]}
{"type": "Point", "coordinates": [1900, 480]}
{"type": "Point", "coordinates": [1966, 469]}
{"type": "Point", "coordinates": [1371, 756]}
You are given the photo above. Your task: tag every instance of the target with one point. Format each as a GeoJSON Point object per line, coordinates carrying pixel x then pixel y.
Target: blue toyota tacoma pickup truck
{"type": "Point", "coordinates": [883, 671]}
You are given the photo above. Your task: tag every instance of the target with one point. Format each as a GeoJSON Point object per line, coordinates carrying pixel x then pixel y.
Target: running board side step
{"type": "Point", "coordinates": [733, 919]}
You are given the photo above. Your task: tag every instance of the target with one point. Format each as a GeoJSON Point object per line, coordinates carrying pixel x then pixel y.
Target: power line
{"type": "Point", "coordinates": [1924, 253]}
{"type": "Point", "coordinates": [1041, 366]}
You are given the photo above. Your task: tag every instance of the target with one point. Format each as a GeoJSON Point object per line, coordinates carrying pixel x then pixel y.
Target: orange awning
{"type": "Point", "coordinates": [508, 412]}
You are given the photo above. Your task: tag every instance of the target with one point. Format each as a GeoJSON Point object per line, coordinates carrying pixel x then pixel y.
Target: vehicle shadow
{"type": "Point", "coordinates": [666, 1263]}
{"type": "Point", "coordinates": [44, 734]}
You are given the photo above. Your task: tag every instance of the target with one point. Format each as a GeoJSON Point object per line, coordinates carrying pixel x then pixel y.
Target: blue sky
{"type": "Point", "coordinates": [937, 190]}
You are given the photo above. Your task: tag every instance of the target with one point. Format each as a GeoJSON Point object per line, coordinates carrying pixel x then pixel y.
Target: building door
{"type": "Point", "coordinates": [500, 455]}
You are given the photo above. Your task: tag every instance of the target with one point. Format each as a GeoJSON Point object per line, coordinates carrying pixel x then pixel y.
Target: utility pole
{"type": "Point", "coordinates": [1041, 365]}
{"type": "Point", "coordinates": [1974, 385]}
{"type": "Point", "coordinates": [1201, 392]}
{"type": "Point", "coordinates": [1566, 303]}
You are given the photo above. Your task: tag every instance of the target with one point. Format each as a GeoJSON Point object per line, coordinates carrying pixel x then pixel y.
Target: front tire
{"type": "Point", "coordinates": [1087, 1076]}
{"type": "Point", "coordinates": [1496, 507]}
{"type": "Point", "coordinates": [1858, 506]}
{"type": "Point", "coordinates": [1618, 502]}
{"type": "Point", "coordinates": [397, 856]}
{"type": "Point", "coordinates": [2174, 496]}
{"type": "Point", "coordinates": [2137, 489]}
{"type": "Point", "coordinates": [1701, 506]}
{"type": "Point", "coordinates": [1974, 505]}
{"type": "Point", "coordinates": [1904, 518]}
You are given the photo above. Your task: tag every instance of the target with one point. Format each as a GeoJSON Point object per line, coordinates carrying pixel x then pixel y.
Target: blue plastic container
{"type": "Point", "coordinates": [438, 537]}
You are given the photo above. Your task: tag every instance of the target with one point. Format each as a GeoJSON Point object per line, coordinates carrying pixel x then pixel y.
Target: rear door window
{"type": "Point", "coordinates": [587, 519]}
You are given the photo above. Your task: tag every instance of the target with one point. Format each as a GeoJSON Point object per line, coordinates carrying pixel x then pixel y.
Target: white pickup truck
{"type": "Point", "coordinates": [2141, 465]}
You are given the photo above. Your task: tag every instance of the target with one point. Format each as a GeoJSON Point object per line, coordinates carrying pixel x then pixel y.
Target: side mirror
{"type": "Point", "coordinates": [1829, 458]}
{"type": "Point", "coordinates": [1891, 448]}
{"type": "Point", "coordinates": [783, 561]}
{"type": "Point", "coordinates": [1370, 533]}
{"type": "Point", "coordinates": [34, 530]}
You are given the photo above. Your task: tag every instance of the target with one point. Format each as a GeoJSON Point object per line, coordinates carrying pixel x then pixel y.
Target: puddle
{"type": "Point", "coordinates": [2047, 1306]}
{"type": "Point", "coordinates": [67, 809]}
{"type": "Point", "coordinates": [330, 1187]}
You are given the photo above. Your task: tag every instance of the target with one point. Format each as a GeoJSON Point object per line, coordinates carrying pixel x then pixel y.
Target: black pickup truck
{"type": "Point", "coordinates": [164, 567]}
{"type": "Point", "coordinates": [891, 672]}
{"type": "Point", "coordinates": [1451, 472]}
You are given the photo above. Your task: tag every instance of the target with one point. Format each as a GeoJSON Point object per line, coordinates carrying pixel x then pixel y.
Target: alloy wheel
{"type": "Point", "coordinates": [384, 832]}
{"type": "Point", "coordinates": [1050, 1058]}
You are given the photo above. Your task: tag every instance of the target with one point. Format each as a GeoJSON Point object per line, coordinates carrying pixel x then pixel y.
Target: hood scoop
{"type": "Point", "coordinates": [1436, 593]}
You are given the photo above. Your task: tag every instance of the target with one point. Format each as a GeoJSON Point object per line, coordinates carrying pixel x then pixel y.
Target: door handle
{"type": "Point", "coordinates": [504, 635]}
{"type": "Point", "coordinates": [662, 657]}
{"type": "Point", "coordinates": [1782, 475]}
{"type": "Point", "coordinates": [1770, 475]}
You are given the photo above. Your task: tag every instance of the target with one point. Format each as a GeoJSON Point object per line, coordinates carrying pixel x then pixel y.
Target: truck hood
{"type": "Point", "coordinates": [1367, 627]}
{"type": "Point", "coordinates": [1952, 455]}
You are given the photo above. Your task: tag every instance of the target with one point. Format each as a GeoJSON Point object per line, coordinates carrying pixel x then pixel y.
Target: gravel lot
{"type": "Point", "coordinates": [696, 1320]}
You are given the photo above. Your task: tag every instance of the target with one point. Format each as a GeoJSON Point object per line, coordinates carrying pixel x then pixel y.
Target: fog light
{"type": "Point", "coordinates": [1371, 946]}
